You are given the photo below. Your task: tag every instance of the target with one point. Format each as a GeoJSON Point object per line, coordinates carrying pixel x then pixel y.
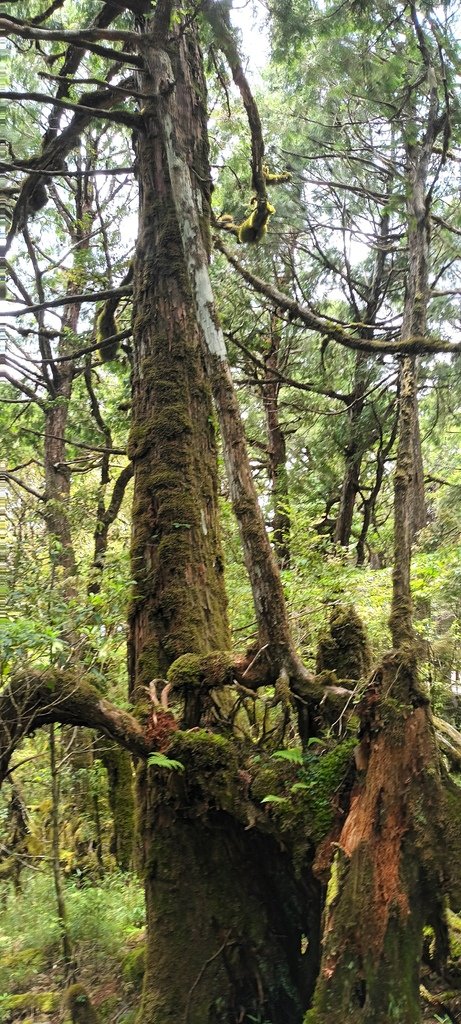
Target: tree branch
{"type": "Point", "coordinates": [86, 39]}
{"type": "Point", "coordinates": [33, 699]}
{"type": "Point", "coordinates": [117, 116]}
{"type": "Point", "coordinates": [66, 300]}
{"type": "Point", "coordinates": [295, 311]}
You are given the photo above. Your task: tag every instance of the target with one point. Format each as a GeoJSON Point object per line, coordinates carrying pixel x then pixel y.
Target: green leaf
{"type": "Point", "coordinates": [162, 761]}
{"type": "Point", "coordinates": [274, 799]}
{"type": "Point", "coordinates": [295, 755]}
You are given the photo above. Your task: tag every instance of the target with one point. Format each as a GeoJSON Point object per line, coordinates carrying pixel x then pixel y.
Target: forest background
{"type": "Point", "coordinates": [267, 515]}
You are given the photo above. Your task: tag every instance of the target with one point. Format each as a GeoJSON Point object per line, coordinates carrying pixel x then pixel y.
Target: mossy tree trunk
{"type": "Point", "coordinates": [179, 602]}
{"type": "Point", "coordinates": [118, 765]}
{"type": "Point", "coordinates": [225, 913]}
{"type": "Point", "coordinates": [229, 914]}
{"type": "Point", "coordinates": [389, 877]}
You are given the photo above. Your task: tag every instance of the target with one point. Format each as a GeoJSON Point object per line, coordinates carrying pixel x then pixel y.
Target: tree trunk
{"type": "Point", "coordinates": [118, 764]}
{"type": "Point", "coordinates": [179, 602]}
{"type": "Point", "coordinates": [387, 878]}
{"type": "Point", "coordinates": [277, 455]}
{"type": "Point", "coordinates": [227, 911]}
{"type": "Point", "coordinates": [353, 454]}
{"type": "Point", "coordinates": [222, 942]}
{"type": "Point", "coordinates": [68, 959]}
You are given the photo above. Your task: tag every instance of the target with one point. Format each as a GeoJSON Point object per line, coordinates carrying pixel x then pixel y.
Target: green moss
{"type": "Point", "coordinates": [21, 956]}
{"type": "Point", "coordinates": [134, 965]}
{"type": "Point", "coordinates": [454, 932]}
{"type": "Point", "coordinates": [78, 1004]}
{"type": "Point", "coordinates": [343, 648]}
{"type": "Point", "coordinates": [208, 672]}
{"type": "Point", "coordinates": [333, 881]}
{"type": "Point", "coordinates": [308, 812]}
{"type": "Point", "coordinates": [43, 1002]}
{"type": "Point", "coordinates": [184, 673]}
{"type": "Point", "coordinates": [203, 752]}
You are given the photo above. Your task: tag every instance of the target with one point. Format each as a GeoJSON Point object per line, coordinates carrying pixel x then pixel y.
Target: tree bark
{"type": "Point", "coordinates": [277, 455]}
{"type": "Point", "coordinates": [179, 602]}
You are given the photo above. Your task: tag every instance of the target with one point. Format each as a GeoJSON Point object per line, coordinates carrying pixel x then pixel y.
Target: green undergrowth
{"type": "Point", "coordinates": [13, 1006]}
{"type": "Point", "coordinates": [102, 920]}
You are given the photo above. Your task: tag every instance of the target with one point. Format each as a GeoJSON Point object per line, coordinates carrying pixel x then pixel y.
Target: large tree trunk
{"type": "Point", "coordinates": [179, 602]}
{"type": "Point", "coordinates": [387, 879]}
{"type": "Point", "coordinates": [226, 910]}
{"type": "Point", "coordinates": [223, 943]}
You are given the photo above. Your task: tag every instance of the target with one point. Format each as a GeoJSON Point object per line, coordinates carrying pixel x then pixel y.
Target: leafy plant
{"type": "Point", "coordinates": [162, 761]}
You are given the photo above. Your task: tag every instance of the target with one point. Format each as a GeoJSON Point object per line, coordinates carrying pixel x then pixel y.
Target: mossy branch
{"type": "Point", "coordinates": [34, 699]}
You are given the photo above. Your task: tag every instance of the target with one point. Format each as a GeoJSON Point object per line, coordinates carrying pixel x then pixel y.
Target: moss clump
{"type": "Point", "coordinates": [454, 932]}
{"type": "Point", "coordinates": [134, 965]}
{"type": "Point", "coordinates": [209, 672]}
{"type": "Point", "coordinates": [78, 1004]}
{"type": "Point", "coordinates": [203, 752]}
{"type": "Point", "coordinates": [43, 1002]}
{"type": "Point", "coordinates": [184, 673]}
{"type": "Point", "coordinates": [343, 648]}
{"type": "Point", "coordinates": [308, 811]}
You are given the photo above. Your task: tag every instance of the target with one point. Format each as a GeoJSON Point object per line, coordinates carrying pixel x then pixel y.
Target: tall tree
{"type": "Point", "coordinates": [230, 888]}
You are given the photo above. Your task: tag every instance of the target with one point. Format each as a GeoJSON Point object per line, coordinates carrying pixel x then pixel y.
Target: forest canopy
{"type": "Point", "coordinates": [230, 595]}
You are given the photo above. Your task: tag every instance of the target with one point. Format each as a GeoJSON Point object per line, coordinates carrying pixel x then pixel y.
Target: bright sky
{"type": "Point", "coordinates": [250, 17]}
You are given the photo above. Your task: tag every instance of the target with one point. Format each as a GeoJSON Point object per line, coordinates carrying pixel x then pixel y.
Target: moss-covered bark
{"type": "Point", "coordinates": [228, 912]}
{"type": "Point", "coordinates": [78, 1006]}
{"type": "Point", "coordinates": [179, 602]}
{"type": "Point", "coordinates": [118, 764]}
{"type": "Point", "coordinates": [343, 648]}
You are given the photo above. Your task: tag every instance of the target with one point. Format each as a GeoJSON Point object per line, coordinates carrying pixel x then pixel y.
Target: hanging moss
{"type": "Point", "coordinates": [78, 1004]}
{"type": "Point", "coordinates": [343, 648]}
{"type": "Point", "coordinates": [118, 765]}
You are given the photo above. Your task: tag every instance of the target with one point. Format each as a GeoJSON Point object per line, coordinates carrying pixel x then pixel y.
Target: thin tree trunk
{"type": "Point", "coordinates": [68, 957]}
{"type": "Point", "coordinates": [277, 456]}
